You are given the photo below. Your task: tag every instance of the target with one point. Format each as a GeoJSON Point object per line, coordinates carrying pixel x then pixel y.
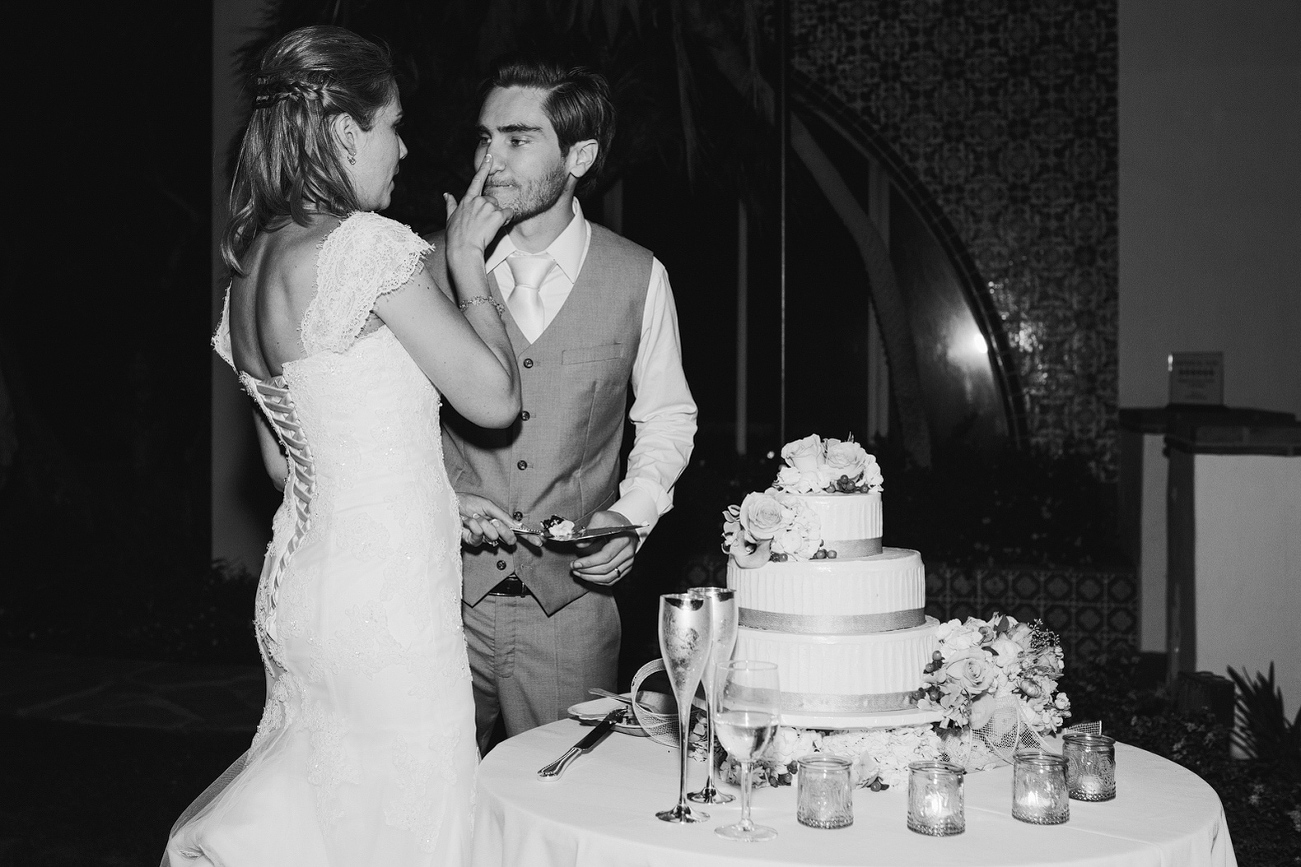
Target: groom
{"type": "Point", "coordinates": [590, 315]}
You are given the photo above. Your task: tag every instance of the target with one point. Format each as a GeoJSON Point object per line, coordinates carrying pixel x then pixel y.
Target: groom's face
{"type": "Point", "coordinates": [529, 174]}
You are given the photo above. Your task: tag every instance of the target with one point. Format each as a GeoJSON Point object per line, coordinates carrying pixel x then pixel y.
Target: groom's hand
{"type": "Point", "coordinates": [609, 559]}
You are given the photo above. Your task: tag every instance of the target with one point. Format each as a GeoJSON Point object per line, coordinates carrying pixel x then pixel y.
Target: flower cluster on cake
{"type": "Point", "coordinates": [780, 523]}
{"type": "Point", "coordinates": [865, 674]}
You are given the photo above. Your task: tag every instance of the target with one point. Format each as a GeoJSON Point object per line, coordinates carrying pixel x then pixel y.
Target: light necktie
{"type": "Point", "coordinates": [525, 303]}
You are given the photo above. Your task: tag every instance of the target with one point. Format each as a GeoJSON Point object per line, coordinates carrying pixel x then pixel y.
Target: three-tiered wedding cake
{"type": "Point", "coordinates": [864, 673]}
{"type": "Point", "coordinates": [817, 593]}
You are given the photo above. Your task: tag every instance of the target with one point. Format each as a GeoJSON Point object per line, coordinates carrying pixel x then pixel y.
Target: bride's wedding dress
{"type": "Point", "coordinates": [365, 754]}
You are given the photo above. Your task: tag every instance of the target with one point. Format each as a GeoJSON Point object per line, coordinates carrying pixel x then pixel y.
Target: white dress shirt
{"type": "Point", "coordinates": [663, 412]}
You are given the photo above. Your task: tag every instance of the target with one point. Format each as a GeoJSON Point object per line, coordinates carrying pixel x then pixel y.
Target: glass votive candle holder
{"type": "Point", "coordinates": [935, 799]}
{"type": "Point", "coordinates": [1090, 766]}
{"type": "Point", "coordinates": [825, 798]}
{"type": "Point", "coordinates": [1039, 793]}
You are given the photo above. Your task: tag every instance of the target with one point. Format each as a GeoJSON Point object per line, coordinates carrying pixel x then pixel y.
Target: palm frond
{"type": "Point", "coordinates": [1264, 732]}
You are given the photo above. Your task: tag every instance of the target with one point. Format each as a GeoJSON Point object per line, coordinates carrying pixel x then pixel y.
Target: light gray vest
{"type": "Point", "coordinates": [561, 457]}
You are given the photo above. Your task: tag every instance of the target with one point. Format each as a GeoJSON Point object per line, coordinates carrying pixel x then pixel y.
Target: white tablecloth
{"type": "Point", "coordinates": [602, 813]}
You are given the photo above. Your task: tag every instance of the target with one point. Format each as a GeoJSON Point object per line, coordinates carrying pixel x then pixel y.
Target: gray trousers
{"type": "Point", "coordinates": [529, 668]}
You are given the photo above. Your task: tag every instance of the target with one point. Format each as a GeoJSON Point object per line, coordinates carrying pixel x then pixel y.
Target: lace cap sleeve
{"type": "Point", "coordinates": [221, 338]}
{"type": "Point", "coordinates": [365, 257]}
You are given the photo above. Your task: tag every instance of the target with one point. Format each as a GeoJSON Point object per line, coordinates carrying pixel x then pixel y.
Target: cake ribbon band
{"type": "Point", "coordinates": [849, 548]}
{"type": "Point", "coordinates": [830, 624]}
{"type": "Point", "coordinates": [816, 702]}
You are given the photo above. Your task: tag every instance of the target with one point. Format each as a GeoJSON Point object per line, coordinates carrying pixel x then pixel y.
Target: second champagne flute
{"type": "Point", "coordinates": [721, 603]}
{"type": "Point", "coordinates": [684, 645]}
{"type": "Point", "coordinates": [746, 714]}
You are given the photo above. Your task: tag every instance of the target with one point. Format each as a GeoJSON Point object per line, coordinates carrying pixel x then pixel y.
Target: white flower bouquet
{"type": "Point", "coordinates": [994, 683]}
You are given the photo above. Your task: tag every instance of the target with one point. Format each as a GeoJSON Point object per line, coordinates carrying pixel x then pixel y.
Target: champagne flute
{"type": "Point", "coordinates": [684, 644]}
{"type": "Point", "coordinates": [721, 603]}
{"type": "Point", "coordinates": [747, 712]}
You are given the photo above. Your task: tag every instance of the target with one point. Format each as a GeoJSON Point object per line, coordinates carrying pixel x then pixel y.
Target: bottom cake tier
{"type": "Point", "coordinates": [844, 677]}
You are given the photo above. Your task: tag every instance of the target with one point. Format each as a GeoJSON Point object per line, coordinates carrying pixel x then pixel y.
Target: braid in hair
{"type": "Point", "coordinates": [271, 91]}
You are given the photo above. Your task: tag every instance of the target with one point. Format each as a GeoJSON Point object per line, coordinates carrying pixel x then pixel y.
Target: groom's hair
{"type": "Point", "coordinates": [290, 160]}
{"type": "Point", "coordinates": [577, 103]}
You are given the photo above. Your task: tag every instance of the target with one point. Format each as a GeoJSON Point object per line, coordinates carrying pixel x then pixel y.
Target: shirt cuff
{"type": "Point", "coordinates": [639, 508]}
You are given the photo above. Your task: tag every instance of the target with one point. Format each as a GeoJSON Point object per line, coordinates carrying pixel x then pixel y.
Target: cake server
{"type": "Point", "coordinates": [587, 533]}
{"type": "Point", "coordinates": [594, 737]}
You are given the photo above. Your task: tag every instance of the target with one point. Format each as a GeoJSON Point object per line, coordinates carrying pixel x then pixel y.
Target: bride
{"type": "Point", "coordinates": [365, 754]}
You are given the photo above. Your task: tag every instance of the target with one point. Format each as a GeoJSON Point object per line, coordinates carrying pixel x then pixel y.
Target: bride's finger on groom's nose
{"type": "Point", "coordinates": [480, 175]}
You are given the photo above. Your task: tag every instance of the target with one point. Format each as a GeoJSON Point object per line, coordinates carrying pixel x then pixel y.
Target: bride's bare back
{"type": "Point", "coordinates": [268, 302]}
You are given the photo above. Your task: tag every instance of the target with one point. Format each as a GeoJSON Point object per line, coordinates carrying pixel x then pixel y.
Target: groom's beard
{"type": "Point", "coordinates": [532, 198]}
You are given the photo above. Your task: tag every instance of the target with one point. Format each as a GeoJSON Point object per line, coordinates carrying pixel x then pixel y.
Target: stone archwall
{"type": "Point", "coordinates": [1005, 112]}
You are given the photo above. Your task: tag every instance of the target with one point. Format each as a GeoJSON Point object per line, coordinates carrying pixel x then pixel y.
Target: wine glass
{"type": "Point", "coordinates": [721, 603]}
{"type": "Point", "coordinates": [684, 644]}
{"type": "Point", "coordinates": [747, 711]}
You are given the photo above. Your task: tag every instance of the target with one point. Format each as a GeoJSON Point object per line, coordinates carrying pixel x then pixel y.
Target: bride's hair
{"type": "Point", "coordinates": [290, 161]}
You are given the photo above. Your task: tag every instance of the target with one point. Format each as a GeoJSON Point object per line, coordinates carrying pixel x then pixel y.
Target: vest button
{"type": "Point", "coordinates": [523, 465]}
{"type": "Point", "coordinates": [501, 565]}
{"type": "Point", "coordinates": [524, 416]}
{"type": "Point", "coordinates": [517, 515]}
{"type": "Point", "coordinates": [528, 362]}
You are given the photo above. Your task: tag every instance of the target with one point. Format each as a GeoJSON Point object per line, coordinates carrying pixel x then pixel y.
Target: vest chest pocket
{"type": "Point", "coordinates": [590, 354]}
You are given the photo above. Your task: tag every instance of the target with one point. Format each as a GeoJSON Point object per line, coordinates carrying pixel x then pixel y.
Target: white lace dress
{"type": "Point", "coordinates": [365, 754]}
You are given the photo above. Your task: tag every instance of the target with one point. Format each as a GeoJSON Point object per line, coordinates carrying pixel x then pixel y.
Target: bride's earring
{"type": "Point", "coordinates": [352, 159]}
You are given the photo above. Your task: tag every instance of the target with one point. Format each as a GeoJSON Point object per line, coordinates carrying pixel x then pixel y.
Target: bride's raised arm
{"type": "Point", "coordinates": [466, 355]}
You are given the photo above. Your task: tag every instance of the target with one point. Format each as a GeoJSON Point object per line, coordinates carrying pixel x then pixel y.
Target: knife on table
{"type": "Point", "coordinates": [594, 737]}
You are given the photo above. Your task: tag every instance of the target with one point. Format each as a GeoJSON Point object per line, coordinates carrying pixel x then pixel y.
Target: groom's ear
{"type": "Point", "coordinates": [581, 156]}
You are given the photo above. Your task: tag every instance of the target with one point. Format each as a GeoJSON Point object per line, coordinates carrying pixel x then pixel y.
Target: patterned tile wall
{"type": "Point", "coordinates": [1005, 112]}
{"type": "Point", "coordinates": [1092, 612]}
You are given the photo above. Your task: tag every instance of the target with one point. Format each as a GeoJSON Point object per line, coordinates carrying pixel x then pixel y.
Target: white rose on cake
{"type": "Point", "coordinates": [788, 479]}
{"type": "Point", "coordinates": [761, 516]}
{"type": "Point", "coordinates": [872, 478]}
{"type": "Point", "coordinates": [847, 459]}
{"type": "Point", "coordinates": [805, 454]}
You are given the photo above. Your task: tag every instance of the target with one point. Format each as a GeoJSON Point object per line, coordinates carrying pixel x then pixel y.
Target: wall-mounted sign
{"type": "Point", "coordinates": [1197, 377]}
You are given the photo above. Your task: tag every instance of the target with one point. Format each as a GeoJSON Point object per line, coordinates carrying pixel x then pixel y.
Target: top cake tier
{"type": "Point", "coordinates": [824, 504]}
{"type": "Point", "coordinates": [851, 524]}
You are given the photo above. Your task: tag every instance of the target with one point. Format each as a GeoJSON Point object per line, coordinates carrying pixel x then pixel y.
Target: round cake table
{"type": "Point", "coordinates": [601, 812]}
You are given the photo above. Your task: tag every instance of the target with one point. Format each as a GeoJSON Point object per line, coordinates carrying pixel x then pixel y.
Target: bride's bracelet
{"type": "Point", "coordinates": [482, 299]}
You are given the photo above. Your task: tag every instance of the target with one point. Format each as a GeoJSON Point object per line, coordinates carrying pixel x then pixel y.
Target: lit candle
{"type": "Point", "coordinates": [934, 806]}
{"type": "Point", "coordinates": [935, 799]}
{"type": "Point", "coordinates": [1039, 788]}
{"type": "Point", "coordinates": [1033, 801]}
{"type": "Point", "coordinates": [1090, 784]}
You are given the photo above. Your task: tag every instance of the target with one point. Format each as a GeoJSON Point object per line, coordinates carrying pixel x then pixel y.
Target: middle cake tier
{"type": "Point", "coordinates": [882, 593]}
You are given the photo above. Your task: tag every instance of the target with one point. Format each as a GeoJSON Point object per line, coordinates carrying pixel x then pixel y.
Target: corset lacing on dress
{"type": "Point", "coordinates": [300, 485]}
